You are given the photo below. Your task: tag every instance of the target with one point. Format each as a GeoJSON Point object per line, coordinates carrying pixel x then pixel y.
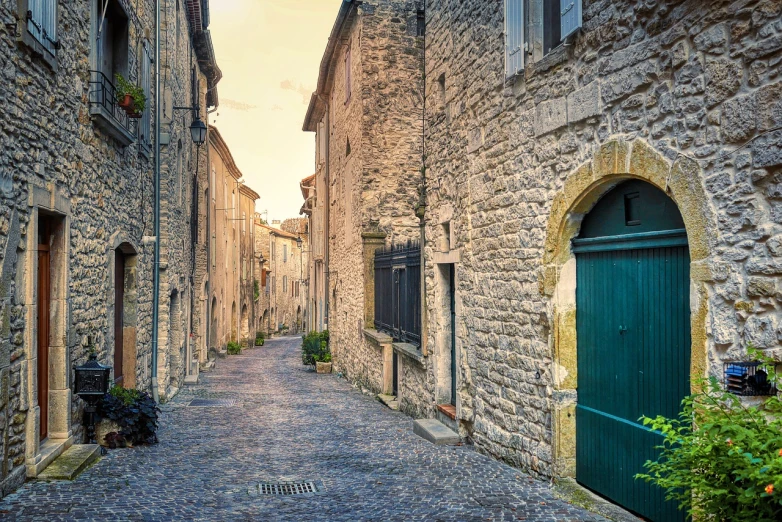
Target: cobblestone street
{"type": "Point", "coordinates": [288, 423]}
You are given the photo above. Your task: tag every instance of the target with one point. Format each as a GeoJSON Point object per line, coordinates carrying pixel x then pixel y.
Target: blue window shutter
{"type": "Point", "coordinates": [570, 16]}
{"type": "Point", "coordinates": [514, 37]}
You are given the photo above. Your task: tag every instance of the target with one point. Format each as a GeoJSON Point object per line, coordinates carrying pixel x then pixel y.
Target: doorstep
{"type": "Point", "coordinates": [72, 462]}
{"type": "Point", "coordinates": [435, 432]}
{"type": "Point", "coordinates": [50, 450]}
{"type": "Point", "coordinates": [389, 400]}
{"type": "Point", "coordinates": [447, 409]}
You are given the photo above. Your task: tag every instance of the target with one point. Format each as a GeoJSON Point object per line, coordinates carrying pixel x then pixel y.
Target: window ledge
{"type": "Point", "coordinates": [377, 338]}
{"type": "Point", "coordinates": [411, 351]}
{"type": "Point", "coordinates": [555, 57]}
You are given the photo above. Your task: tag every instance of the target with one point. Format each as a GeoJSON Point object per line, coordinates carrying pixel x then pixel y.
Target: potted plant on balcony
{"type": "Point", "coordinates": [130, 97]}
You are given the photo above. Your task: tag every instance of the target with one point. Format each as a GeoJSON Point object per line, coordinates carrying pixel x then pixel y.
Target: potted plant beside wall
{"type": "Point", "coordinates": [315, 351]}
{"type": "Point", "coordinates": [259, 339]}
{"type": "Point", "coordinates": [130, 97]}
{"type": "Point", "coordinates": [129, 417]}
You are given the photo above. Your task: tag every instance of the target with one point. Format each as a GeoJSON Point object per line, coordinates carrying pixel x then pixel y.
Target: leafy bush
{"type": "Point", "coordinates": [233, 348]}
{"type": "Point", "coordinates": [721, 460]}
{"type": "Point", "coordinates": [256, 290]}
{"type": "Point", "coordinates": [259, 338]}
{"type": "Point", "coordinates": [314, 347]}
{"type": "Point", "coordinates": [136, 413]}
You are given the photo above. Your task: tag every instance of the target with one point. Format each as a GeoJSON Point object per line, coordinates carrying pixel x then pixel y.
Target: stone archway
{"type": "Point", "coordinates": [614, 162]}
{"type": "Point", "coordinates": [245, 326]}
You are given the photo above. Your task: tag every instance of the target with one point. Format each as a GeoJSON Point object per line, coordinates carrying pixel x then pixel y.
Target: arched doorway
{"type": "Point", "coordinates": [213, 327]}
{"type": "Point", "coordinates": [245, 326]}
{"type": "Point", "coordinates": [633, 338]}
{"type": "Point", "coordinates": [234, 329]}
{"type": "Point", "coordinates": [175, 345]}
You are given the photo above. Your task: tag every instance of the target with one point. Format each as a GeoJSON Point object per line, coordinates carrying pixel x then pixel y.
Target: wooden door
{"type": "Point", "coordinates": [119, 314]}
{"type": "Point", "coordinates": [633, 328]}
{"type": "Point", "coordinates": [44, 310]}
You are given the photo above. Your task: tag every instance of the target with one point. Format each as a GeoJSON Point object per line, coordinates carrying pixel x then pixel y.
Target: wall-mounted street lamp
{"type": "Point", "coordinates": [198, 131]}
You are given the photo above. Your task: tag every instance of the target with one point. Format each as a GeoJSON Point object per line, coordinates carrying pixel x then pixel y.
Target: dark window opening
{"type": "Point", "coordinates": [632, 202]}
{"type": "Point", "coordinates": [420, 24]}
{"type": "Point", "coordinates": [112, 43]}
{"type": "Point", "coordinates": [552, 30]}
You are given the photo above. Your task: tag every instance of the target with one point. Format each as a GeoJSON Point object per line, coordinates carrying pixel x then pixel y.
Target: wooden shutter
{"type": "Point", "coordinates": [146, 83]}
{"type": "Point", "coordinates": [570, 16]}
{"type": "Point", "coordinates": [42, 22]}
{"type": "Point", "coordinates": [514, 37]}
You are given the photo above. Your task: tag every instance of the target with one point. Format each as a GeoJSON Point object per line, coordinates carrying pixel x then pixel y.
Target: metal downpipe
{"type": "Point", "coordinates": [156, 268]}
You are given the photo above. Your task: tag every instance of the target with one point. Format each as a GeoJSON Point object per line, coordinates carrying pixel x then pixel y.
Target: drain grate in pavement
{"type": "Point", "coordinates": [206, 403]}
{"type": "Point", "coordinates": [288, 488]}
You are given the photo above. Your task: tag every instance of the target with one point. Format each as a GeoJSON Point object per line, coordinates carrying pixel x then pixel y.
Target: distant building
{"type": "Point", "coordinates": [283, 296]}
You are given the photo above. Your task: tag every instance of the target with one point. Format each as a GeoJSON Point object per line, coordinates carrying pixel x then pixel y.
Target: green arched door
{"type": "Point", "coordinates": [633, 327]}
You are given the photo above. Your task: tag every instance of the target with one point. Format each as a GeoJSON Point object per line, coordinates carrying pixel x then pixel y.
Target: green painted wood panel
{"type": "Point", "coordinates": [633, 327]}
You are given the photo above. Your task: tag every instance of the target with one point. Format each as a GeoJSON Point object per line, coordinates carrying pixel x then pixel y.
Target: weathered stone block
{"type": "Point", "coordinates": [583, 103]}
{"type": "Point", "coordinates": [739, 118]}
{"type": "Point", "coordinates": [627, 81]}
{"type": "Point", "coordinates": [723, 80]}
{"type": "Point", "coordinates": [550, 115]}
{"type": "Point", "coordinates": [767, 149]}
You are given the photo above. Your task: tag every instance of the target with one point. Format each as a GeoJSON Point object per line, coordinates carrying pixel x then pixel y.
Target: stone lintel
{"type": "Point", "coordinates": [447, 258]}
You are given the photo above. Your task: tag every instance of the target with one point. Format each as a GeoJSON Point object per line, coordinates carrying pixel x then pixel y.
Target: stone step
{"type": "Point", "coordinates": [388, 400]}
{"type": "Point", "coordinates": [72, 462]}
{"type": "Point", "coordinates": [435, 432]}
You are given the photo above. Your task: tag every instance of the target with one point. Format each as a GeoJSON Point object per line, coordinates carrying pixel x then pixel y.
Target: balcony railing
{"type": "Point", "coordinates": [105, 110]}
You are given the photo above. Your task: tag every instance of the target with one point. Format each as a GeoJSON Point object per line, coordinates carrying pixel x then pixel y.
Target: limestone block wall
{"type": "Point", "coordinates": [374, 188]}
{"type": "Point", "coordinates": [680, 93]}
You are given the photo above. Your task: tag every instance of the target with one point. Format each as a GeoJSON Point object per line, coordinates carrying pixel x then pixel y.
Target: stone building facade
{"type": "Point", "coordinates": [76, 232]}
{"type": "Point", "coordinates": [534, 123]}
{"type": "Point", "coordinates": [230, 207]}
{"type": "Point", "coordinates": [367, 118]}
{"type": "Point", "coordinates": [682, 95]}
{"type": "Point", "coordinates": [249, 286]}
{"type": "Point", "coordinates": [283, 296]}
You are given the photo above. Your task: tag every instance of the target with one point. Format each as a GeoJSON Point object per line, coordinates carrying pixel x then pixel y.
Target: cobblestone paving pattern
{"type": "Point", "coordinates": [288, 423]}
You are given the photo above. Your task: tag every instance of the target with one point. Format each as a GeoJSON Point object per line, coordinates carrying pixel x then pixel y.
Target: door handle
{"type": "Point", "coordinates": [622, 329]}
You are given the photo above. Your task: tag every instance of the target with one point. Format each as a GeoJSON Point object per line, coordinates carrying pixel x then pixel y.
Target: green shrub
{"type": "Point", "coordinates": [721, 460]}
{"type": "Point", "coordinates": [136, 413]}
{"type": "Point", "coordinates": [259, 338]}
{"type": "Point", "coordinates": [233, 348]}
{"type": "Point", "coordinates": [314, 347]}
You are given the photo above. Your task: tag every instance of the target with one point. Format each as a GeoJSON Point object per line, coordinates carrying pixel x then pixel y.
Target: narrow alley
{"type": "Point", "coordinates": [281, 422]}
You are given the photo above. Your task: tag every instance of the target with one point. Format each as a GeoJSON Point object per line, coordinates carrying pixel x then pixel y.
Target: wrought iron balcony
{"type": "Point", "coordinates": [106, 112]}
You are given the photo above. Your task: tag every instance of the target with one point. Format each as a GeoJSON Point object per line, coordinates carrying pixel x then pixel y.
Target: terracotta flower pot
{"type": "Point", "coordinates": [127, 104]}
{"type": "Point", "coordinates": [323, 367]}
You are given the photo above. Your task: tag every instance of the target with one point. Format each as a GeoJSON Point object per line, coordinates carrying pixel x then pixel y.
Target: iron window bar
{"type": "Point", "coordinates": [103, 94]}
{"type": "Point", "coordinates": [748, 379]}
{"type": "Point", "coordinates": [397, 292]}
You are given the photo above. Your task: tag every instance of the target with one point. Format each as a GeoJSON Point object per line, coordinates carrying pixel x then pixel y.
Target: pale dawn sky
{"type": "Point", "coordinates": [269, 52]}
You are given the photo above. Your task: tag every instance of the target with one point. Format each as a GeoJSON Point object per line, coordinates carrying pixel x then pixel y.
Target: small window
{"type": "Point", "coordinates": [420, 23]}
{"type": "Point", "coordinates": [284, 281]}
{"type": "Point", "coordinates": [284, 253]}
{"type": "Point", "coordinates": [348, 76]}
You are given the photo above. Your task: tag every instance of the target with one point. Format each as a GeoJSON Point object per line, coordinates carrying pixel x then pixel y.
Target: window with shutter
{"type": "Point", "coordinates": [41, 19]}
{"type": "Point", "coordinates": [514, 37]}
